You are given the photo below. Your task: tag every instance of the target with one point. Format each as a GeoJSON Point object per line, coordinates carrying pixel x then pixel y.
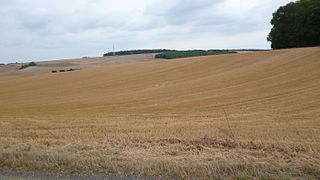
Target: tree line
{"type": "Point", "coordinates": [296, 24]}
{"type": "Point", "coordinates": [138, 51]}
{"type": "Point", "coordinates": [191, 53]}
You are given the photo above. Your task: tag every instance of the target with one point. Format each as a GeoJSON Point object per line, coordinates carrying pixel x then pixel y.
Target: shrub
{"type": "Point", "coordinates": [32, 64]}
{"type": "Point", "coordinates": [54, 71]}
{"type": "Point", "coordinates": [28, 65]}
{"type": "Point", "coordinates": [62, 70]}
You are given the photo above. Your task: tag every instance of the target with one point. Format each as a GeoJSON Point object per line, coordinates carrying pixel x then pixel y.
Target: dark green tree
{"type": "Point", "coordinates": [296, 24]}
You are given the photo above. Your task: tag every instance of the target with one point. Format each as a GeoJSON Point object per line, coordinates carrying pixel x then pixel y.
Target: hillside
{"type": "Point", "coordinates": [176, 86]}
{"type": "Point", "coordinates": [158, 113]}
{"type": "Point", "coordinates": [45, 67]}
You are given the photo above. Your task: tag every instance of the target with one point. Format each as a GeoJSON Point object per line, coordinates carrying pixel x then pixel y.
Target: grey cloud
{"type": "Point", "coordinates": [181, 11]}
{"type": "Point", "coordinates": [33, 21]}
{"type": "Point", "coordinates": [207, 15]}
{"type": "Point", "coordinates": [54, 29]}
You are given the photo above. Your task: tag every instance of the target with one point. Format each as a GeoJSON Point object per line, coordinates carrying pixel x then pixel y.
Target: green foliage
{"type": "Point", "coordinates": [296, 24]}
{"type": "Point", "coordinates": [32, 64]}
{"type": "Point", "coordinates": [28, 65]}
{"type": "Point", "coordinates": [297, 149]}
{"type": "Point", "coordinates": [62, 70]}
{"type": "Point", "coordinates": [191, 53]}
{"type": "Point", "coordinates": [139, 51]}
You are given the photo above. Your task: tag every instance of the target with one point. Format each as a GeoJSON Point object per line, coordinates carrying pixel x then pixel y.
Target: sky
{"type": "Point", "coordinates": [35, 30]}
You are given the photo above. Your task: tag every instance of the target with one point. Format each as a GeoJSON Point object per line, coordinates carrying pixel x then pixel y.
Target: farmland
{"type": "Point", "coordinates": [245, 115]}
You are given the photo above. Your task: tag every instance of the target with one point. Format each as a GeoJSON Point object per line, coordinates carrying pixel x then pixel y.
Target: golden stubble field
{"type": "Point", "coordinates": [246, 115]}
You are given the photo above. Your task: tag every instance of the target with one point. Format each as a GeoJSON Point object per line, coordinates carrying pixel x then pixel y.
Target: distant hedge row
{"type": "Point", "coordinates": [139, 51]}
{"type": "Point", "coordinates": [62, 70]}
{"type": "Point", "coordinates": [191, 53]}
{"type": "Point", "coordinates": [28, 65]}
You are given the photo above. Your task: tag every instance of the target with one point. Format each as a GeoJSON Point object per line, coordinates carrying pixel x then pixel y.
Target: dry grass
{"type": "Point", "coordinates": [243, 116]}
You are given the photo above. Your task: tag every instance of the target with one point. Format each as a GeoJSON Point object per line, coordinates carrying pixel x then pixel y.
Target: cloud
{"type": "Point", "coordinates": [53, 29]}
{"type": "Point", "coordinates": [179, 12]}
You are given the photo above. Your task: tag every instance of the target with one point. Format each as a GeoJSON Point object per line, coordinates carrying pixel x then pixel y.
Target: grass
{"type": "Point", "coordinates": [55, 64]}
{"type": "Point", "coordinates": [163, 147]}
{"type": "Point", "coordinates": [241, 116]}
{"type": "Point", "coordinates": [160, 160]}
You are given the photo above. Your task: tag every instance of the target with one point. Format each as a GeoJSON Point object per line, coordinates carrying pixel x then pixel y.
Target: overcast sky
{"type": "Point", "coordinates": [33, 30]}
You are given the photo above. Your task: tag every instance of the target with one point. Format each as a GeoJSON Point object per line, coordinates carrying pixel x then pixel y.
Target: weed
{"type": "Point", "coordinates": [297, 149]}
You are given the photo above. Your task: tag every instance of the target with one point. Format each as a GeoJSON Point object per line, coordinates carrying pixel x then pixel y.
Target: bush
{"type": "Point", "coordinates": [62, 70]}
{"type": "Point", "coordinates": [32, 64]}
{"type": "Point", "coordinates": [28, 65]}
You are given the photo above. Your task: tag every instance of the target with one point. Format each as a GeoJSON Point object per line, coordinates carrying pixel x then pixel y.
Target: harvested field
{"type": "Point", "coordinates": [45, 67]}
{"type": "Point", "coordinates": [236, 116]}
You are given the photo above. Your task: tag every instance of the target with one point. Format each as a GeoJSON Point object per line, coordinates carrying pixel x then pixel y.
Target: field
{"type": "Point", "coordinates": [234, 116]}
{"type": "Point", "coordinates": [45, 67]}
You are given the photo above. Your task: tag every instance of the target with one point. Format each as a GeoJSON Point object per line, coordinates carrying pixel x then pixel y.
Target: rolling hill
{"type": "Point", "coordinates": [146, 112]}
{"type": "Point", "coordinates": [282, 80]}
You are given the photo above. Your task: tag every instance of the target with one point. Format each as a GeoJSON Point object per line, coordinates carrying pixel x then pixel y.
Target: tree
{"type": "Point", "coordinates": [296, 24]}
